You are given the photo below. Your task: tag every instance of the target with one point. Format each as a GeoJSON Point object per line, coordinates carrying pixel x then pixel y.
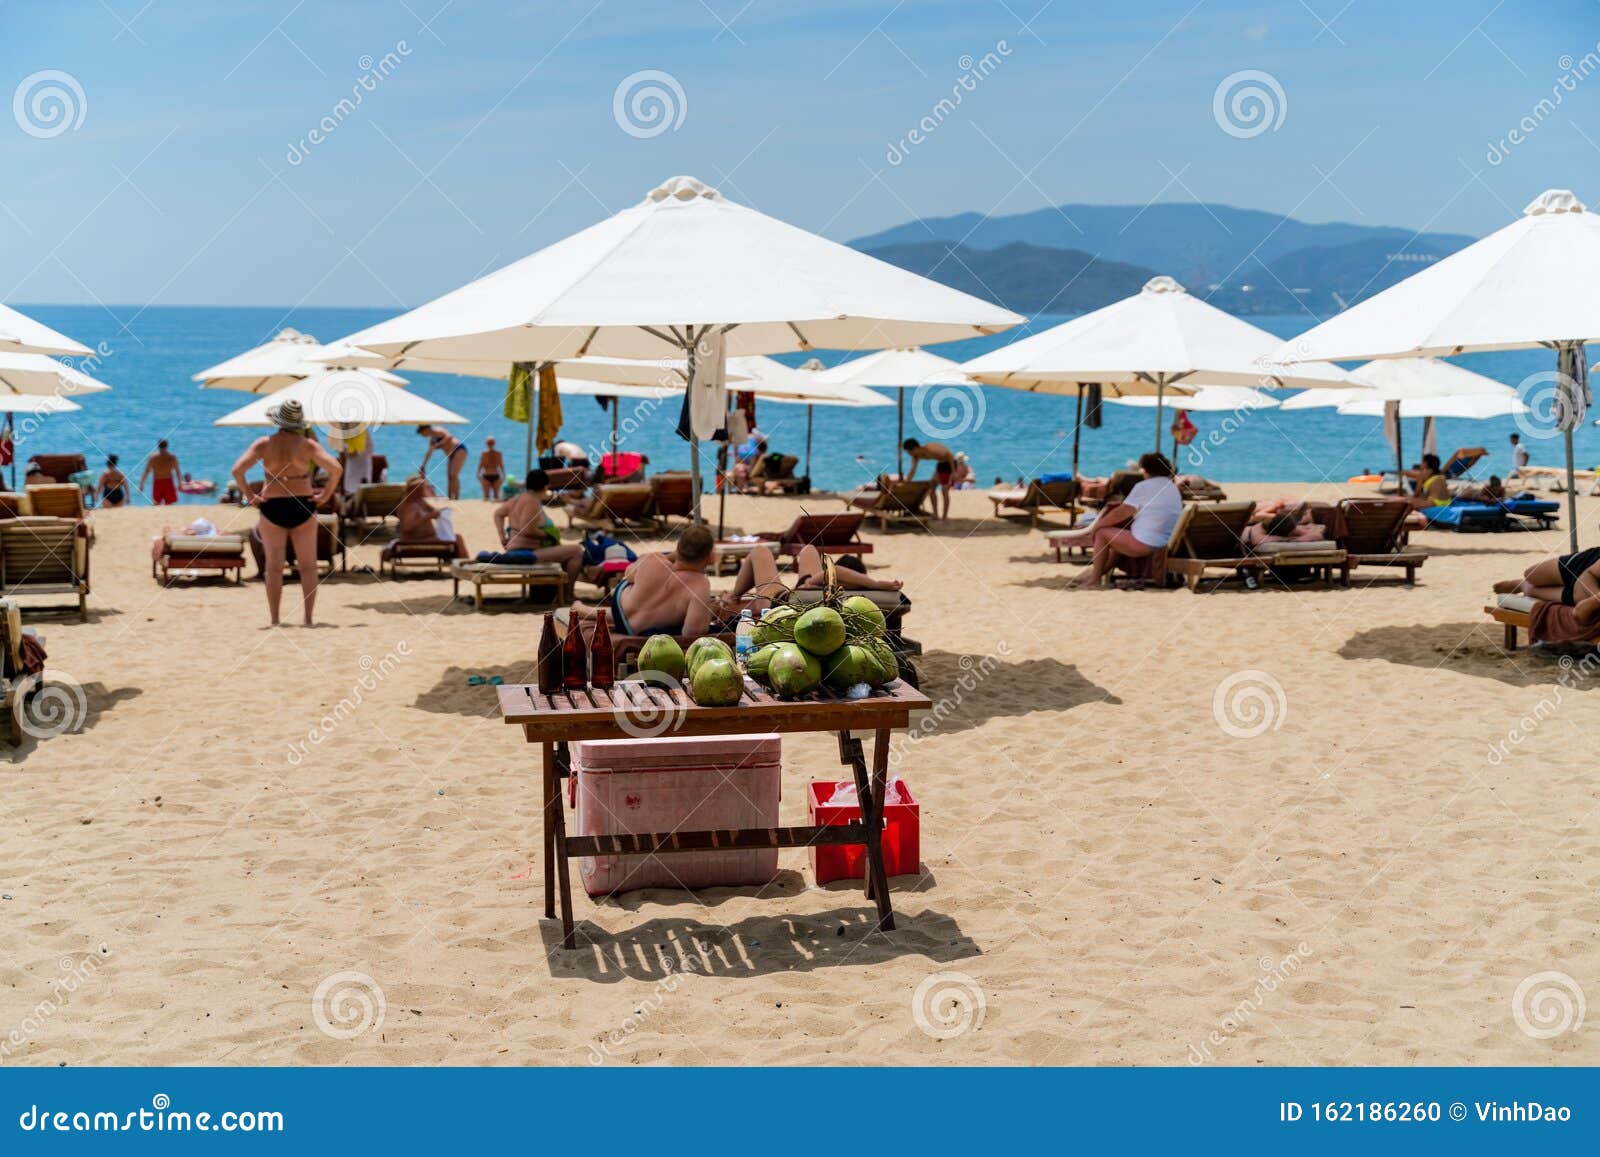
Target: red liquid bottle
{"type": "Point", "coordinates": [550, 668]}
{"type": "Point", "coordinates": [574, 657]}
{"type": "Point", "coordinates": [602, 667]}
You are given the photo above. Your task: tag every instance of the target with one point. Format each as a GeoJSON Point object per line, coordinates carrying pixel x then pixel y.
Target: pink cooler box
{"type": "Point", "coordinates": [634, 786]}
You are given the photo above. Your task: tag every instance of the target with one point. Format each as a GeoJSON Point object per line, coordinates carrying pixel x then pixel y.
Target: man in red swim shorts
{"type": "Point", "coordinates": [163, 464]}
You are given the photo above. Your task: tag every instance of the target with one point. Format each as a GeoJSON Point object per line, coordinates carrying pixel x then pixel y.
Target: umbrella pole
{"type": "Point", "coordinates": [1399, 454]}
{"type": "Point", "coordinates": [1161, 386]}
{"type": "Point", "coordinates": [532, 373]}
{"type": "Point", "coordinates": [1077, 436]}
{"type": "Point", "coordinates": [900, 434]}
{"type": "Point", "coordinates": [694, 439]}
{"type": "Point", "coordinates": [1572, 498]}
{"type": "Point", "coordinates": [809, 410]}
{"type": "Point", "coordinates": [722, 475]}
{"type": "Point", "coordinates": [11, 437]}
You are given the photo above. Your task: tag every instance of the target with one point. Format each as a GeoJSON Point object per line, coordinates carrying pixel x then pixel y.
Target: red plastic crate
{"type": "Point", "coordinates": [902, 836]}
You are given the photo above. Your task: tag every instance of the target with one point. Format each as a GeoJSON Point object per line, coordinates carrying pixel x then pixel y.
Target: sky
{"type": "Point", "coordinates": [380, 152]}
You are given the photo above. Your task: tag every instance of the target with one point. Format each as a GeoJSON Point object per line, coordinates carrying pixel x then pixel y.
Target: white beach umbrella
{"type": "Point", "coordinates": [36, 404]}
{"type": "Point", "coordinates": [39, 375]}
{"type": "Point", "coordinates": [1160, 339]}
{"type": "Point", "coordinates": [20, 334]}
{"type": "Point", "coordinates": [1439, 406]}
{"type": "Point", "coordinates": [1208, 399]}
{"type": "Point", "coordinates": [286, 359]}
{"type": "Point", "coordinates": [899, 370]}
{"type": "Point", "coordinates": [350, 400]}
{"type": "Point", "coordinates": [686, 273]}
{"type": "Point", "coordinates": [1526, 285]}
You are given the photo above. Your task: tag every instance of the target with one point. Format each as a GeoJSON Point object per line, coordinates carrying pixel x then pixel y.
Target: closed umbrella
{"type": "Point", "coordinates": [1162, 339]}
{"type": "Point", "coordinates": [1529, 284]}
{"type": "Point", "coordinates": [686, 273]}
{"type": "Point", "coordinates": [20, 334]}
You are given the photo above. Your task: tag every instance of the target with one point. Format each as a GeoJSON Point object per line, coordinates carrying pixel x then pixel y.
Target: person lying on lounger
{"type": "Point", "coordinates": [1283, 528]}
{"type": "Point", "coordinates": [662, 594]}
{"type": "Point", "coordinates": [1567, 580]}
{"type": "Point", "coordinates": [759, 582]}
{"type": "Point", "coordinates": [528, 532]}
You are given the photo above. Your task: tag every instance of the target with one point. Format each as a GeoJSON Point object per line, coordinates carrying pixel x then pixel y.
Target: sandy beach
{"type": "Point", "coordinates": [1118, 869]}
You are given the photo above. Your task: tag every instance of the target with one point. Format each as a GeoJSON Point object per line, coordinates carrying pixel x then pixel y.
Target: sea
{"type": "Point", "coordinates": [148, 356]}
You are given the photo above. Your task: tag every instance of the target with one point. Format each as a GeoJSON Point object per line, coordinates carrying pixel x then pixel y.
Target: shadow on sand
{"type": "Point", "coordinates": [61, 707]}
{"type": "Point", "coordinates": [977, 688]}
{"type": "Point", "coordinates": [1470, 649]}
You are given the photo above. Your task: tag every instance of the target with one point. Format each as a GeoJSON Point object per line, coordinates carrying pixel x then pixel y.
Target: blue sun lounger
{"type": "Point", "coordinates": [1491, 516]}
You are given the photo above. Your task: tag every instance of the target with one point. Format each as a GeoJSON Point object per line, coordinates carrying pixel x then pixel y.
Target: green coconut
{"type": "Point", "coordinates": [820, 631]}
{"type": "Point", "coordinates": [862, 618]}
{"type": "Point", "coordinates": [776, 626]}
{"type": "Point", "coordinates": [662, 653]}
{"type": "Point", "coordinates": [704, 648]}
{"type": "Point", "coordinates": [716, 682]}
{"type": "Point", "coordinates": [756, 665]}
{"type": "Point", "coordinates": [849, 665]}
{"type": "Point", "coordinates": [793, 670]}
{"type": "Point", "coordinates": [889, 665]}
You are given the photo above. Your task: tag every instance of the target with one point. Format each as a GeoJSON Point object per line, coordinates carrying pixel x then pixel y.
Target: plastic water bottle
{"type": "Point", "coordinates": [744, 638]}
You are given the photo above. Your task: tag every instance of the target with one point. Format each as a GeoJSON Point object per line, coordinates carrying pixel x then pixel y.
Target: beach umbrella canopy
{"type": "Point", "coordinates": [39, 375]}
{"type": "Point", "coordinates": [1440, 406]}
{"type": "Point", "coordinates": [20, 334]}
{"type": "Point", "coordinates": [1209, 399]}
{"type": "Point", "coordinates": [899, 370]}
{"type": "Point", "coordinates": [686, 273]}
{"type": "Point", "coordinates": [617, 371]}
{"type": "Point", "coordinates": [286, 359]}
{"type": "Point", "coordinates": [36, 404]}
{"type": "Point", "coordinates": [1526, 285]}
{"type": "Point", "coordinates": [348, 399]}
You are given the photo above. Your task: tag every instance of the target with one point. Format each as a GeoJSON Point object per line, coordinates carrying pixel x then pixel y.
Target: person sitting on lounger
{"type": "Point", "coordinates": [526, 530]}
{"type": "Point", "coordinates": [1567, 580]}
{"type": "Point", "coordinates": [419, 522]}
{"type": "Point", "coordinates": [1432, 488]}
{"type": "Point", "coordinates": [1489, 492]}
{"type": "Point", "coordinates": [1136, 527]}
{"type": "Point", "coordinates": [662, 594]}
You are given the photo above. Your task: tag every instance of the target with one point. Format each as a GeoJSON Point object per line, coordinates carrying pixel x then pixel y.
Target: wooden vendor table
{"type": "Point", "coordinates": [631, 709]}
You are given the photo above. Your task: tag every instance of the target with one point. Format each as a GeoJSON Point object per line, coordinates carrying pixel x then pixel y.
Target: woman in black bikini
{"type": "Point", "coordinates": [455, 456]}
{"type": "Point", "coordinates": [287, 501]}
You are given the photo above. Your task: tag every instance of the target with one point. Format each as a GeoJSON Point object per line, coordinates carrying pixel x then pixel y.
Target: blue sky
{"type": "Point", "coordinates": [191, 178]}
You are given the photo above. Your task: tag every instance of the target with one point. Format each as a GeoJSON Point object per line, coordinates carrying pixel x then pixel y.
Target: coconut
{"type": "Point", "coordinates": [793, 670]}
{"type": "Point", "coordinates": [862, 618]}
{"type": "Point", "coordinates": [849, 665]}
{"type": "Point", "coordinates": [703, 648]}
{"type": "Point", "coordinates": [716, 682]}
{"type": "Point", "coordinates": [887, 662]}
{"type": "Point", "coordinates": [776, 625]}
{"type": "Point", "coordinates": [820, 630]}
{"type": "Point", "coordinates": [756, 665]}
{"type": "Point", "coordinates": [662, 653]}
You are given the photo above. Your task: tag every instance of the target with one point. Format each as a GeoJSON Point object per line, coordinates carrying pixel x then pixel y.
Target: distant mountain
{"type": "Point", "coordinates": [1024, 278]}
{"type": "Point", "coordinates": [1200, 245]}
{"type": "Point", "coordinates": [1325, 279]}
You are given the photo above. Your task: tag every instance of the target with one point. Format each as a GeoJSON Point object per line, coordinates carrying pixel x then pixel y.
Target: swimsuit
{"type": "Point", "coordinates": [113, 496]}
{"type": "Point", "coordinates": [616, 608]}
{"type": "Point", "coordinates": [288, 512]}
{"type": "Point", "coordinates": [164, 491]}
{"type": "Point", "coordinates": [944, 472]}
{"type": "Point", "coordinates": [1571, 566]}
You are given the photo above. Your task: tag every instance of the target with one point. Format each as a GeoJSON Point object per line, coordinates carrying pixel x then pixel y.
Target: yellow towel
{"type": "Point", "coordinates": [518, 395]}
{"type": "Point", "coordinates": [544, 437]}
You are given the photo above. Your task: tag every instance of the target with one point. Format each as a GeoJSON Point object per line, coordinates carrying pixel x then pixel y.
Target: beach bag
{"type": "Point", "coordinates": [599, 547]}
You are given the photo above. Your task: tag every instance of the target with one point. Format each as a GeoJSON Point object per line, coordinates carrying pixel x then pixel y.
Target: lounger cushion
{"type": "Point", "coordinates": [205, 544]}
{"type": "Point", "coordinates": [1278, 548]}
{"type": "Point", "coordinates": [1516, 603]}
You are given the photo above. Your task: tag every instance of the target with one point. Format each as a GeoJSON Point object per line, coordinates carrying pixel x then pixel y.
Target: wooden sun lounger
{"type": "Point", "coordinates": [192, 556]}
{"type": "Point", "coordinates": [671, 496]}
{"type": "Point", "coordinates": [525, 577]}
{"type": "Point", "coordinates": [1514, 613]}
{"type": "Point", "coordinates": [55, 500]}
{"type": "Point", "coordinates": [614, 505]}
{"type": "Point", "coordinates": [41, 556]}
{"type": "Point", "coordinates": [780, 476]}
{"type": "Point", "coordinates": [15, 687]}
{"type": "Point", "coordinates": [894, 502]}
{"type": "Point", "coordinates": [835, 534]}
{"type": "Point", "coordinates": [1210, 537]}
{"type": "Point", "coordinates": [1039, 498]}
{"type": "Point", "coordinates": [59, 467]}
{"type": "Point", "coordinates": [1375, 535]}
{"type": "Point", "coordinates": [436, 555]}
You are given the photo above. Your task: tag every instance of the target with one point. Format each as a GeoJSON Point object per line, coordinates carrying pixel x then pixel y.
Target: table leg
{"type": "Point", "coordinates": [869, 792]}
{"type": "Point", "coordinates": [559, 847]}
{"type": "Point", "coordinates": [552, 801]}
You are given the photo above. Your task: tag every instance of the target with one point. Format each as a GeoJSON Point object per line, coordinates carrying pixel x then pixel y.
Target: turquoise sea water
{"type": "Point", "coordinates": [148, 356]}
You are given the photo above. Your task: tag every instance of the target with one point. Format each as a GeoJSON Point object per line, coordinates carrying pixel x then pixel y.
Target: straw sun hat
{"type": "Point", "coordinates": [287, 415]}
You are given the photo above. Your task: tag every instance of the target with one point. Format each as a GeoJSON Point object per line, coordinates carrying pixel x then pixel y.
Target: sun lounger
{"type": "Point", "coordinates": [672, 496]}
{"type": "Point", "coordinates": [40, 556]}
{"type": "Point", "coordinates": [16, 685]}
{"type": "Point", "coordinates": [374, 502]}
{"type": "Point", "coordinates": [1057, 497]}
{"type": "Point", "coordinates": [527, 577]}
{"type": "Point", "coordinates": [1094, 494]}
{"type": "Point", "coordinates": [13, 504]}
{"type": "Point", "coordinates": [892, 501]}
{"type": "Point", "coordinates": [1374, 534]}
{"type": "Point", "coordinates": [830, 533]}
{"type": "Point", "coordinates": [1197, 489]}
{"type": "Point", "coordinates": [1514, 612]}
{"type": "Point", "coordinates": [192, 556]}
{"type": "Point", "coordinates": [568, 479]}
{"type": "Point", "coordinates": [434, 554]}
{"type": "Point", "coordinates": [55, 500]}
{"type": "Point", "coordinates": [1210, 537]}
{"type": "Point", "coordinates": [330, 547]}
{"type": "Point", "coordinates": [59, 467]}
{"type": "Point", "coordinates": [614, 505]}
{"type": "Point", "coordinates": [1512, 514]}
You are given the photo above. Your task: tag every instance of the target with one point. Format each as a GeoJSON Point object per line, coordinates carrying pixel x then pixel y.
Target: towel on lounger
{"type": "Point", "coordinates": [1554, 623]}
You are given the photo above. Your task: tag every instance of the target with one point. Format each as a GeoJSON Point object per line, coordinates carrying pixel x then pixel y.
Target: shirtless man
{"type": "Point", "coordinates": [491, 470]}
{"type": "Point", "coordinates": [455, 456]}
{"type": "Point", "coordinates": [662, 593]}
{"type": "Point", "coordinates": [1569, 580]}
{"type": "Point", "coordinates": [164, 465]}
{"type": "Point", "coordinates": [520, 524]}
{"type": "Point", "coordinates": [944, 468]}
